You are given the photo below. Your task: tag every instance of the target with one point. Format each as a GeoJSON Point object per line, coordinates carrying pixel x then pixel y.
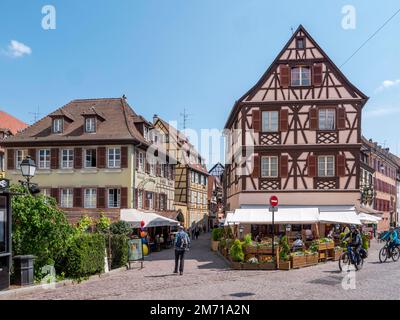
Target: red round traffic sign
{"type": "Point", "coordinates": [273, 201]}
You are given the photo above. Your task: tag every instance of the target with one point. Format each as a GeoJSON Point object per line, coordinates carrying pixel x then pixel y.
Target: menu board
{"type": "Point", "coordinates": [135, 249]}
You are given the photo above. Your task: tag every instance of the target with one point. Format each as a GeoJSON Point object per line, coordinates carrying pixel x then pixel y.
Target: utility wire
{"type": "Point", "coordinates": [373, 35]}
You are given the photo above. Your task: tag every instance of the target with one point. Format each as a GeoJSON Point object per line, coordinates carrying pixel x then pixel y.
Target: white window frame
{"type": "Point", "coordinates": [58, 125]}
{"type": "Point", "coordinates": [301, 79]}
{"type": "Point", "coordinates": [114, 158]}
{"type": "Point", "coordinates": [323, 170]}
{"type": "Point", "coordinates": [90, 125]}
{"type": "Point", "coordinates": [267, 167]}
{"type": "Point", "coordinates": [69, 162]}
{"type": "Point", "coordinates": [324, 120]}
{"type": "Point", "coordinates": [86, 155]}
{"type": "Point", "coordinates": [141, 162]}
{"type": "Point", "coordinates": [44, 162]}
{"type": "Point", "coordinates": [146, 133]}
{"type": "Point", "coordinates": [20, 155]}
{"type": "Point", "coordinates": [111, 202]}
{"type": "Point", "coordinates": [67, 198]}
{"type": "Point", "coordinates": [152, 169]}
{"type": "Point", "coordinates": [150, 199]}
{"type": "Point", "coordinates": [90, 198]}
{"type": "Point", "coordinates": [268, 121]}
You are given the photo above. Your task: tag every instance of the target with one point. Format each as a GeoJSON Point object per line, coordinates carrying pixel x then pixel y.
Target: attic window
{"type": "Point", "coordinates": [90, 125]}
{"type": "Point", "coordinates": [146, 133]}
{"type": "Point", "coordinates": [300, 43]}
{"type": "Point", "coordinates": [58, 125]}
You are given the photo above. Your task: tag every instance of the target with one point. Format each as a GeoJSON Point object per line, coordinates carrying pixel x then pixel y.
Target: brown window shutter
{"type": "Point", "coordinates": [284, 120]}
{"type": "Point", "coordinates": [317, 74]}
{"type": "Point", "coordinates": [284, 71]}
{"type": "Point", "coordinates": [11, 159]}
{"type": "Point", "coordinates": [256, 120]}
{"type": "Point", "coordinates": [341, 165]}
{"type": "Point", "coordinates": [55, 193]}
{"type": "Point", "coordinates": [101, 161]}
{"type": "Point", "coordinates": [124, 198]}
{"type": "Point", "coordinates": [256, 167]}
{"type": "Point", "coordinates": [78, 198]}
{"type": "Point", "coordinates": [32, 154]}
{"type": "Point", "coordinates": [313, 119]}
{"type": "Point", "coordinates": [55, 158]}
{"type": "Point", "coordinates": [284, 166]}
{"type": "Point", "coordinates": [124, 157]}
{"type": "Point", "coordinates": [312, 166]}
{"type": "Point", "coordinates": [156, 199]}
{"type": "Point", "coordinates": [78, 158]}
{"type": "Point", "coordinates": [101, 198]}
{"type": "Point", "coordinates": [341, 119]}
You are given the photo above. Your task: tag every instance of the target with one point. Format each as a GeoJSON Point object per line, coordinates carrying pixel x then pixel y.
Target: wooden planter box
{"type": "Point", "coordinates": [284, 265]}
{"type": "Point", "coordinates": [236, 265]}
{"type": "Point", "coordinates": [330, 245]}
{"type": "Point", "coordinates": [312, 259]}
{"type": "Point", "coordinates": [266, 266]}
{"type": "Point", "coordinates": [214, 245]}
{"type": "Point", "coordinates": [322, 246]}
{"type": "Point", "coordinates": [266, 250]}
{"type": "Point", "coordinates": [250, 250]}
{"type": "Point", "coordinates": [250, 266]}
{"type": "Point", "coordinates": [298, 261]}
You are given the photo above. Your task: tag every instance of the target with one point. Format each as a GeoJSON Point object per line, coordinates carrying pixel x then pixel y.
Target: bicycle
{"type": "Point", "coordinates": [349, 257]}
{"type": "Point", "coordinates": [386, 253]}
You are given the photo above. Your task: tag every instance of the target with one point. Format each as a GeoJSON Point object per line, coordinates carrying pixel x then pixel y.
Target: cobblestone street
{"type": "Point", "coordinates": [208, 277]}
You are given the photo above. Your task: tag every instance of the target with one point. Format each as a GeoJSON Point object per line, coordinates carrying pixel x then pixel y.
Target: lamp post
{"type": "Point", "coordinates": [28, 170]}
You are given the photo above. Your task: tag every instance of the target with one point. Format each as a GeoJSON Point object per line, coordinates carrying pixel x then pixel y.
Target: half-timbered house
{"type": "Point", "coordinates": [303, 119]}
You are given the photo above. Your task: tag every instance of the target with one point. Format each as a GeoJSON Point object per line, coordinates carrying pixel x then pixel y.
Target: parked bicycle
{"type": "Point", "coordinates": [387, 253]}
{"type": "Point", "coordinates": [349, 257]}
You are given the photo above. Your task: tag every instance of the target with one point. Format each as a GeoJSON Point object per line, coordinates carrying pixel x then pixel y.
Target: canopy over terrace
{"type": "Point", "coordinates": [151, 219]}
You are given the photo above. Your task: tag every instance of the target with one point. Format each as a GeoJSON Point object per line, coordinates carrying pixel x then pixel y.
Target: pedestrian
{"type": "Point", "coordinates": [182, 243]}
{"type": "Point", "coordinates": [197, 232]}
{"type": "Point", "coordinates": [192, 231]}
{"type": "Point", "coordinates": [204, 228]}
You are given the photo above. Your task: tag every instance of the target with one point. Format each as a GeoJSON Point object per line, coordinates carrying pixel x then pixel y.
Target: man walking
{"type": "Point", "coordinates": [182, 243]}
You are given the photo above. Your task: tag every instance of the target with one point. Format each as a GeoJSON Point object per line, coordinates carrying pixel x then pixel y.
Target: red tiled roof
{"type": "Point", "coordinates": [11, 123]}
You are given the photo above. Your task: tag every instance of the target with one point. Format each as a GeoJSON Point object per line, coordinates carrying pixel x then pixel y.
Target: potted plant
{"type": "Point", "coordinates": [284, 254]}
{"type": "Point", "coordinates": [248, 246]}
{"type": "Point", "coordinates": [216, 237]}
{"type": "Point", "coordinates": [236, 254]}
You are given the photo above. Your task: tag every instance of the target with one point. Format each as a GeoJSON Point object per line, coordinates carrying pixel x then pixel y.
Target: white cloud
{"type": "Point", "coordinates": [381, 112]}
{"type": "Point", "coordinates": [18, 49]}
{"type": "Point", "coordinates": [387, 84]}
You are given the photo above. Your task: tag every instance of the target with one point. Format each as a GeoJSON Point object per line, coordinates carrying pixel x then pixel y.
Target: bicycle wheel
{"type": "Point", "coordinates": [343, 260]}
{"type": "Point", "coordinates": [383, 255]}
{"type": "Point", "coordinates": [360, 264]}
{"type": "Point", "coordinates": [395, 254]}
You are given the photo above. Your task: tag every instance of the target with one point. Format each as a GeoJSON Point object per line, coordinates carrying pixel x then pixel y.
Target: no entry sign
{"type": "Point", "coordinates": [273, 201]}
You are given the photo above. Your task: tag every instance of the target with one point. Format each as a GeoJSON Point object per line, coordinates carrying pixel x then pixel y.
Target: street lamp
{"type": "Point", "coordinates": [28, 168]}
{"type": "Point", "coordinates": [241, 229]}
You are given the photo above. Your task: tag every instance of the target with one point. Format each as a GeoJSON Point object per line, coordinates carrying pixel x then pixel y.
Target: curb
{"type": "Point", "coordinates": [23, 291]}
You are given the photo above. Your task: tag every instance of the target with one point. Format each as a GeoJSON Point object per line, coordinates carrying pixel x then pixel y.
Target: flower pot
{"type": "Point", "coordinates": [284, 265]}
{"type": "Point", "coordinates": [214, 245]}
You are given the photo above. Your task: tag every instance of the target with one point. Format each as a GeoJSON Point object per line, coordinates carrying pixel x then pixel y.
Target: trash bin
{"type": "Point", "coordinates": [23, 270]}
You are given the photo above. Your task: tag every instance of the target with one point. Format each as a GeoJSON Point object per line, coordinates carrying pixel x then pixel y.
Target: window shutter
{"type": "Point", "coordinates": [147, 167]}
{"type": "Point", "coordinates": [55, 158]}
{"type": "Point", "coordinates": [55, 193]}
{"type": "Point", "coordinates": [256, 120]}
{"type": "Point", "coordinates": [284, 166]}
{"type": "Point", "coordinates": [341, 119]}
{"type": "Point", "coordinates": [284, 71]}
{"type": "Point", "coordinates": [124, 198]}
{"type": "Point", "coordinates": [317, 74]}
{"type": "Point", "coordinates": [11, 159]}
{"type": "Point", "coordinates": [313, 119]}
{"type": "Point", "coordinates": [156, 201]}
{"type": "Point", "coordinates": [101, 198]}
{"type": "Point", "coordinates": [341, 165]}
{"type": "Point", "coordinates": [101, 161]}
{"type": "Point", "coordinates": [256, 167]}
{"type": "Point", "coordinates": [32, 154]}
{"type": "Point", "coordinates": [78, 158]}
{"type": "Point", "coordinates": [137, 159]}
{"type": "Point", "coordinates": [312, 166]}
{"type": "Point", "coordinates": [124, 157]}
{"type": "Point", "coordinates": [284, 119]}
{"type": "Point", "coordinates": [78, 198]}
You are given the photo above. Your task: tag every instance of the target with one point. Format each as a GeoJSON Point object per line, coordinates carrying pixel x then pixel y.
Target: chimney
{"type": "Point", "coordinates": [155, 117]}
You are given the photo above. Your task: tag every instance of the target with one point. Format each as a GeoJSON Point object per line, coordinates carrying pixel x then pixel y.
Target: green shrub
{"type": "Point", "coordinates": [247, 239]}
{"type": "Point", "coordinates": [236, 251]}
{"type": "Point", "coordinates": [120, 227]}
{"type": "Point", "coordinates": [103, 223]}
{"type": "Point", "coordinates": [85, 255]}
{"type": "Point", "coordinates": [284, 253]}
{"type": "Point", "coordinates": [119, 250]}
{"type": "Point", "coordinates": [85, 223]}
{"type": "Point", "coordinates": [217, 234]}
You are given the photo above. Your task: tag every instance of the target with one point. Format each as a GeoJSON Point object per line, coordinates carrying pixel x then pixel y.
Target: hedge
{"type": "Point", "coordinates": [119, 250]}
{"type": "Point", "coordinates": [85, 255]}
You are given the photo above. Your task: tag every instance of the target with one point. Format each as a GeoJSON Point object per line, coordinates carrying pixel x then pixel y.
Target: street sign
{"type": "Point", "coordinates": [273, 201]}
{"type": "Point", "coordinates": [273, 209]}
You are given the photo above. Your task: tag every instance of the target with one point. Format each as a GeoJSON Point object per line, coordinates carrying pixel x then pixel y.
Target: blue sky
{"type": "Point", "coordinates": [201, 55]}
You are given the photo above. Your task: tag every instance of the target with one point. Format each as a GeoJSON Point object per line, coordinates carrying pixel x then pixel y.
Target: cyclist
{"type": "Point", "coordinates": [355, 241]}
{"type": "Point", "coordinates": [393, 239]}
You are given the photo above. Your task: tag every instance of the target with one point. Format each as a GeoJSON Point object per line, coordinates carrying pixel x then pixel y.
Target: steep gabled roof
{"type": "Point", "coordinates": [8, 122]}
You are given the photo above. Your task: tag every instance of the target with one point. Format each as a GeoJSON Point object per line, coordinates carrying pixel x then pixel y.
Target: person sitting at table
{"type": "Point", "coordinates": [309, 234]}
{"type": "Point", "coordinates": [259, 237]}
{"type": "Point", "coordinates": [298, 244]}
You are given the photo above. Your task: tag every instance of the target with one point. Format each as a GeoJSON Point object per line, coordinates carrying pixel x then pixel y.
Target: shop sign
{"type": "Point", "coordinates": [135, 249]}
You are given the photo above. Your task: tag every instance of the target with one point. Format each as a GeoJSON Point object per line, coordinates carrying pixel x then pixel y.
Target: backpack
{"type": "Point", "coordinates": [181, 241]}
{"type": "Point", "coordinates": [363, 253]}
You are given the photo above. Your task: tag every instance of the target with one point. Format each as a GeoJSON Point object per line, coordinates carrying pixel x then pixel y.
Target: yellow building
{"type": "Point", "coordinates": [91, 157]}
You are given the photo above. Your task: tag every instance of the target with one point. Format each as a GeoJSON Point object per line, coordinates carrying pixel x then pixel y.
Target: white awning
{"type": "Point", "coordinates": [368, 218]}
{"type": "Point", "coordinates": [343, 217]}
{"type": "Point", "coordinates": [282, 216]}
{"type": "Point", "coordinates": [151, 219]}
{"type": "Point", "coordinates": [228, 218]}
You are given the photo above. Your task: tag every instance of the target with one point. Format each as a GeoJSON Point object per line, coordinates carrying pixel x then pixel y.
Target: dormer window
{"type": "Point", "coordinates": [146, 133]}
{"type": "Point", "coordinates": [90, 125]}
{"type": "Point", "coordinates": [58, 125]}
{"type": "Point", "coordinates": [300, 43]}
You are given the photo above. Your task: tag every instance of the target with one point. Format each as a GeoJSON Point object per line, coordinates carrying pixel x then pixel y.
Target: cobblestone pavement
{"type": "Point", "coordinates": [208, 277]}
